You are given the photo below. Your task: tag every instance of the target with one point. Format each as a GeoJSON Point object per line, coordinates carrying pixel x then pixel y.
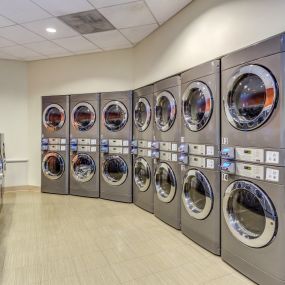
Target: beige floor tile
{"type": "Point", "coordinates": [232, 279]}
{"type": "Point", "coordinates": [119, 254]}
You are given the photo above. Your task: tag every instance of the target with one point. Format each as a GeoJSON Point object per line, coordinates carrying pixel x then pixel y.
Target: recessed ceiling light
{"type": "Point", "coordinates": [51, 30]}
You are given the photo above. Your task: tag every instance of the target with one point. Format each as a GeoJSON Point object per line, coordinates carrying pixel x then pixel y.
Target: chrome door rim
{"type": "Point", "coordinates": [93, 166]}
{"type": "Point", "coordinates": [62, 112]}
{"type": "Point", "coordinates": [145, 187]}
{"type": "Point", "coordinates": [148, 117]}
{"type": "Point", "coordinates": [46, 172]}
{"type": "Point", "coordinates": [124, 121]}
{"type": "Point", "coordinates": [271, 97]}
{"type": "Point", "coordinates": [92, 121]}
{"type": "Point", "coordinates": [160, 192]}
{"type": "Point", "coordinates": [171, 121]}
{"type": "Point", "coordinates": [237, 230]}
{"type": "Point", "coordinates": [209, 105]}
{"type": "Point", "coordinates": [109, 179]}
{"type": "Point", "coordinates": [189, 205]}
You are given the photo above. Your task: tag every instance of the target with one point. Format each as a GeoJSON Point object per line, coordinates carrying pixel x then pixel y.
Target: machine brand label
{"type": "Point", "coordinates": [225, 140]}
{"type": "Point", "coordinates": [225, 177]}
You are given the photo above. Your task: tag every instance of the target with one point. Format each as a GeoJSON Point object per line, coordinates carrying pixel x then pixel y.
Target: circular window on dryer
{"type": "Point", "coordinates": [53, 117]}
{"type": "Point", "coordinates": [115, 116]}
{"type": "Point", "coordinates": [142, 174]}
{"type": "Point", "coordinates": [197, 195]}
{"type": "Point", "coordinates": [165, 183]}
{"type": "Point", "coordinates": [142, 114]}
{"type": "Point", "coordinates": [251, 97]}
{"type": "Point", "coordinates": [197, 105]}
{"type": "Point", "coordinates": [83, 167]}
{"type": "Point", "coordinates": [249, 214]}
{"type": "Point", "coordinates": [165, 111]}
{"type": "Point", "coordinates": [53, 165]}
{"type": "Point", "coordinates": [114, 170]}
{"type": "Point", "coordinates": [83, 116]}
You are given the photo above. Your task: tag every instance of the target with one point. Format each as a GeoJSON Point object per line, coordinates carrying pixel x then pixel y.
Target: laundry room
{"type": "Point", "coordinates": [142, 142]}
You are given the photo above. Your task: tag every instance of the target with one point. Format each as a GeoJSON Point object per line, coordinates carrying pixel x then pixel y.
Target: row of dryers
{"type": "Point", "coordinates": [232, 109]}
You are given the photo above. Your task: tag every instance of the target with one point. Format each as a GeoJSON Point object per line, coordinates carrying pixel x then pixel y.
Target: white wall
{"type": "Point", "coordinates": [110, 71]}
{"type": "Point", "coordinates": [14, 120]}
{"type": "Point", "coordinates": [204, 30]}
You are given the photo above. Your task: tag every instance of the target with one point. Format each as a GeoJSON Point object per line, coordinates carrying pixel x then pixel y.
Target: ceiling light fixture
{"type": "Point", "coordinates": [51, 30]}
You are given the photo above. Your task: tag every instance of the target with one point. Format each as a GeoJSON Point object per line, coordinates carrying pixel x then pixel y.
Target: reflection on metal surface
{"type": "Point", "coordinates": [142, 114]}
{"type": "Point", "coordinates": [83, 167]}
{"type": "Point", "coordinates": [142, 174]}
{"type": "Point", "coordinates": [53, 117]}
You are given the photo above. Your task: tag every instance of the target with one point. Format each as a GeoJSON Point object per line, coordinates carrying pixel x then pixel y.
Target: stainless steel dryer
{"type": "Point", "coordinates": [116, 110]}
{"type": "Point", "coordinates": [253, 221]}
{"type": "Point", "coordinates": [55, 144]}
{"type": "Point", "coordinates": [116, 173]}
{"type": "Point", "coordinates": [143, 117]}
{"type": "Point", "coordinates": [167, 198]}
{"type": "Point", "coordinates": [253, 112]}
{"type": "Point", "coordinates": [200, 100]}
{"type": "Point", "coordinates": [200, 209]}
{"type": "Point", "coordinates": [143, 179]}
{"type": "Point", "coordinates": [167, 114]}
{"type": "Point", "coordinates": [84, 144]}
{"type": "Point", "coordinates": [55, 166]}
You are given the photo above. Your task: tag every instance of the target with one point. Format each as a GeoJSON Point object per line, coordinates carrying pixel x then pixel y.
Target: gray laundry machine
{"type": "Point", "coordinates": [200, 106]}
{"type": "Point", "coordinates": [200, 207]}
{"type": "Point", "coordinates": [143, 179]}
{"type": "Point", "coordinates": [167, 183]}
{"type": "Point", "coordinates": [55, 167]}
{"type": "Point", "coordinates": [167, 114]}
{"type": "Point", "coordinates": [253, 221]}
{"type": "Point", "coordinates": [84, 145]}
{"type": "Point", "coordinates": [116, 173]}
{"type": "Point", "coordinates": [253, 112]}
{"type": "Point", "coordinates": [55, 144]}
{"type": "Point", "coordinates": [116, 112]}
{"type": "Point", "coordinates": [2, 168]}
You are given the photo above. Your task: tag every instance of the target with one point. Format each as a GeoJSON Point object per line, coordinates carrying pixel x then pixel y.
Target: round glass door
{"type": "Point", "coordinates": [83, 117]}
{"type": "Point", "coordinates": [197, 195]}
{"type": "Point", "coordinates": [251, 97]}
{"type": "Point", "coordinates": [165, 183]}
{"type": "Point", "coordinates": [197, 105]}
{"type": "Point", "coordinates": [115, 170]}
{"type": "Point", "coordinates": [53, 165]}
{"type": "Point", "coordinates": [165, 111]}
{"type": "Point", "coordinates": [115, 116]}
{"type": "Point", "coordinates": [83, 167]}
{"type": "Point", "coordinates": [142, 174]}
{"type": "Point", "coordinates": [249, 214]}
{"type": "Point", "coordinates": [142, 114]}
{"type": "Point", "coordinates": [53, 117]}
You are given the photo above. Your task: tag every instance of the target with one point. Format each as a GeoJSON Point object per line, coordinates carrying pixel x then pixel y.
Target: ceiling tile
{"type": "Point", "coordinates": [22, 11]}
{"type": "Point", "coordinates": [62, 30]}
{"type": "Point", "coordinates": [165, 9]}
{"type": "Point", "coordinates": [128, 15]}
{"type": "Point", "coordinates": [4, 22]}
{"type": "Point", "coordinates": [136, 34]}
{"type": "Point", "coordinates": [76, 44]}
{"type": "Point", "coordinates": [64, 7]}
{"type": "Point", "coordinates": [4, 55]}
{"type": "Point", "coordinates": [107, 3]}
{"type": "Point", "coordinates": [110, 39]}
{"type": "Point", "coordinates": [19, 34]}
{"type": "Point", "coordinates": [20, 52]}
{"type": "Point", "coordinates": [88, 51]}
{"type": "Point", "coordinates": [6, 43]}
{"type": "Point", "coordinates": [47, 48]}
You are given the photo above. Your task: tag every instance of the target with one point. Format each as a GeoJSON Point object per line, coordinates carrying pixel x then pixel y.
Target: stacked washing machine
{"type": "Point", "coordinates": [84, 145]}
{"type": "Point", "coordinates": [199, 155]}
{"type": "Point", "coordinates": [253, 151]}
{"type": "Point", "coordinates": [141, 148]}
{"type": "Point", "coordinates": [55, 144]}
{"type": "Point", "coordinates": [167, 184]}
{"type": "Point", "coordinates": [116, 136]}
{"type": "Point", "coordinates": [2, 168]}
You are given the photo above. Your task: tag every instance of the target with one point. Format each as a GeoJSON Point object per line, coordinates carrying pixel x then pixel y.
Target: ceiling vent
{"type": "Point", "coordinates": [87, 22]}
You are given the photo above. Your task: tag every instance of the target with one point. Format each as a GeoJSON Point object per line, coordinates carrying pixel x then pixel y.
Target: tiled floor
{"type": "Point", "coordinates": [50, 239]}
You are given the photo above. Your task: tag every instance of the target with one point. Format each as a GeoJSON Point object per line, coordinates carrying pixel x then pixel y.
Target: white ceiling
{"type": "Point", "coordinates": [23, 26]}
